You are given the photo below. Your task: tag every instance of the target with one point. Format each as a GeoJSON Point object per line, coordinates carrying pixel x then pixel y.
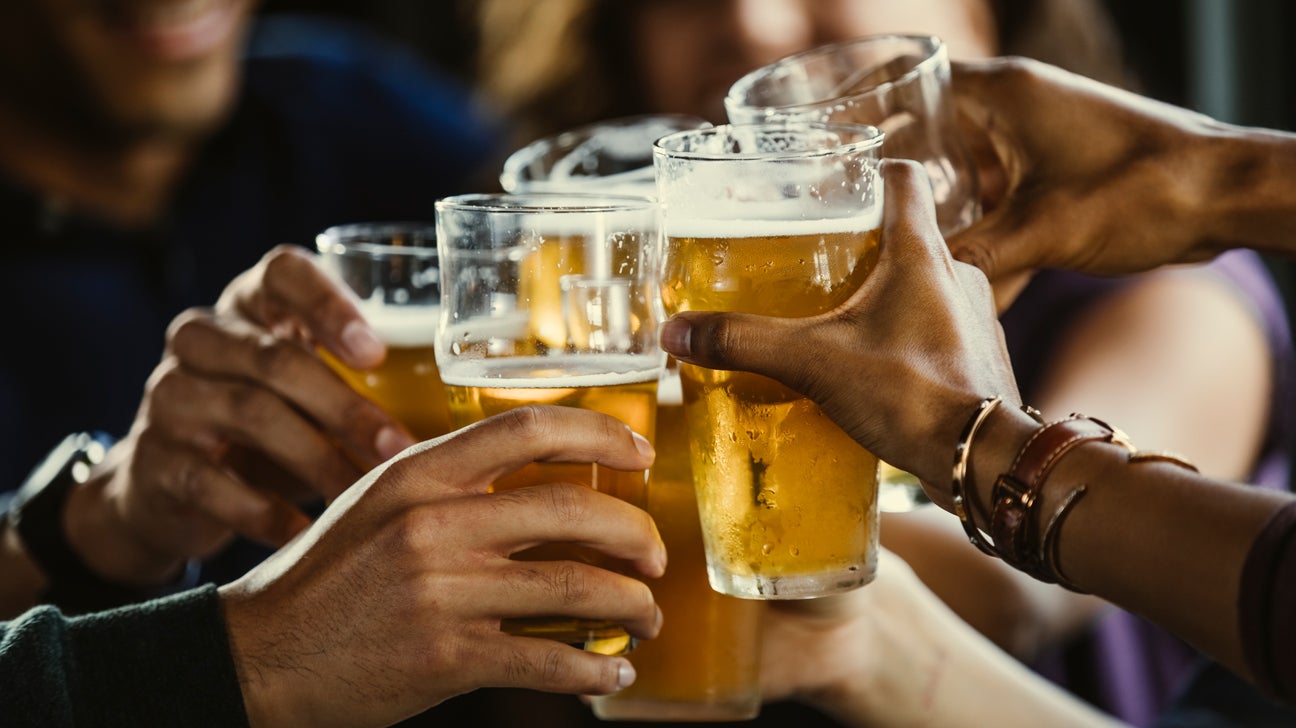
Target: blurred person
{"type": "Point", "coordinates": [1079, 343]}
{"type": "Point", "coordinates": [149, 151]}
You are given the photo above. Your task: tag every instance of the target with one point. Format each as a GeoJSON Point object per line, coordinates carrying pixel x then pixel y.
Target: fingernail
{"type": "Point", "coordinates": [641, 444]}
{"type": "Point", "coordinates": [390, 441]}
{"type": "Point", "coordinates": [361, 342]}
{"type": "Point", "coordinates": [625, 675]}
{"type": "Point", "coordinates": [660, 619]}
{"type": "Point", "coordinates": [677, 337]}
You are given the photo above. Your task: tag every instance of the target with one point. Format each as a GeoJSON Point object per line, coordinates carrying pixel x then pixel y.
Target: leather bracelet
{"type": "Point", "coordinates": [1016, 492]}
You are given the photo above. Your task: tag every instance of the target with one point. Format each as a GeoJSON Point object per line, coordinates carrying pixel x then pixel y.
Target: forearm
{"type": "Point", "coordinates": [1245, 194]}
{"type": "Point", "coordinates": [937, 670]}
{"type": "Point", "coordinates": [1152, 537]}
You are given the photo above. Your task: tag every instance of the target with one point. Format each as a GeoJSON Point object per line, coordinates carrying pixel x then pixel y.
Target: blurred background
{"type": "Point", "coordinates": [1227, 58]}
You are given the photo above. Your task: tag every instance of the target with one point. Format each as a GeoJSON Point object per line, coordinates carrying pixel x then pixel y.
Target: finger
{"type": "Point", "coordinates": [573, 589]}
{"type": "Point", "coordinates": [539, 664]}
{"type": "Point", "coordinates": [231, 348]}
{"type": "Point", "coordinates": [288, 286]}
{"type": "Point", "coordinates": [261, 516]}
{"type": "Point", "coordinates": [483, 452]}
{"type": "Point", "coordinates": [512, 521]}
{"type": "Point", "coordinates": [206, 409]}
{"type": "Point", "coordinates": [192, 480]}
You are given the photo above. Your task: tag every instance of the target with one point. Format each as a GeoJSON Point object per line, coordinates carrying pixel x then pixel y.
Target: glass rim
{"type": "Point", "coordinates": [512, 171]}
{"type": "Point", "coordinates": [546, 203]}
{"type": "Point", "coordinates": [744, 84]}
{"type": "Point", "coordinates": [333, 239]}
{"type": "Point", "coordinates": [873, 138]}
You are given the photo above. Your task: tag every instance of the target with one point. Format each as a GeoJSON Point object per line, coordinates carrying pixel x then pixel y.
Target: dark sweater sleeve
{"type": "Point", "coordinates": [161, 663]}
{"type": "Point", "coordinates": [1267, 606]}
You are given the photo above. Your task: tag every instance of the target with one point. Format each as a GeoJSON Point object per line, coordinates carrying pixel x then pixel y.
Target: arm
{"type": "Point", "coordinates": [389, 604]}
{"type": "Point", "coordinates": [159, 663]}
{"type": "Point", "coordinates": [237, 426]}
{"type": "Point", "coordinates": [893, 655]}
{"type": "Point", "coordinates": [1102, 180]}
{"type": "Point", "coordinates": [1183, 365]}
{"type": "Point", "coordinates": [925, 348]}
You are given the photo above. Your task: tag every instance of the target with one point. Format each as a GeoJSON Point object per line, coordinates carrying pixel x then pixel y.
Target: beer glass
{"type": "Point", "coordinates": [705, 663]}
{"type": "Point", "coordinates": [392, 269]}
{"type": "Point", "coordinates": [552, 299]}
{"type": "Point", "coordinates": [780, 220]}
{"type": "Point", "coordinates": [898, 83]}
{"type": "Point", "coordinates": [614, 155]}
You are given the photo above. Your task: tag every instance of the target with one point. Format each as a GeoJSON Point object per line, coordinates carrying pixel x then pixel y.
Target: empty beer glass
{"type": "Point", "coordinates": [392, 270]}
{"type": "Point", "coordinates": [898, 83]}
{"type": "Point", "coordinates": [552, 299]}
{"type": "Point", "coordinates": [780, 220]}
{"type": "Point", "coordinates": [614, 156]}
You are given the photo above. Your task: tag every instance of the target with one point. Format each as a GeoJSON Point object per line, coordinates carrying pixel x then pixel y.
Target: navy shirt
{"type": "Point", "coordinates": [332, 126]}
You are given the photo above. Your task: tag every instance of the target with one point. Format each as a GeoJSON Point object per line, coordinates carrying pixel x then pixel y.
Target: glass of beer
{"type": "Point", "coordinates": [898, 83]}
{"type": "Point", "coordinates": [779, 220]}
{"type": "Point", "coordinates": [705, 663]}
{"type": "Point", "coordinates": [392, 269]}
{"type": "Point", "coordinates": [553, 299]}
{"type": "Point", "coordinates": [614, 155]}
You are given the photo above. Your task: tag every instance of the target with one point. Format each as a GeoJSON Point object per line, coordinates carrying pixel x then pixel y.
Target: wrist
{"type": "Point", "coordinates": [274, 682]}
{"type": "Point", "coordinates": [105, 542]}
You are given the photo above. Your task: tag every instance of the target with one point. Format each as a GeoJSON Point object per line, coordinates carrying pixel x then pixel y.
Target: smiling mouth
{"type": "Point", "coordinates": [174, 30]}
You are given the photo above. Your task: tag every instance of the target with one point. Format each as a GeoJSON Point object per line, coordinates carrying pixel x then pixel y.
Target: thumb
{"type": "Point", "coordinates": [746, 342]}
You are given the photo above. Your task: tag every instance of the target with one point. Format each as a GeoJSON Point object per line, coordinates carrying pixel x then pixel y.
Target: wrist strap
{"type": "Point", "coordinates": [36, 514]}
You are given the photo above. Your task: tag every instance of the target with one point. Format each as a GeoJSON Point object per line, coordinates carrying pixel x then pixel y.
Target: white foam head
{"type": "Point", "coordinates": [403, 325]}
{"type": "Point", "coordinates": [746, 226]}
{"type": "Point", "coordinates": [552, 372]}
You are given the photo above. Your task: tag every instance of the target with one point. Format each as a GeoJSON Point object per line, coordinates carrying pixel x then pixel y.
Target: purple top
{"type": "Point", "coordinates": [1126, 665]}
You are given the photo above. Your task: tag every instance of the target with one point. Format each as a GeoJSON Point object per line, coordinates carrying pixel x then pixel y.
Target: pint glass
{"type": "Point", "coordinates": [552, 299]}
{"type": "Point", "coordinates": [898, 83]}
{"type": "Point", "coordinates": [705, 663]}
{"type": "Point", "coordinates": [392, 270]}
{"type": "Point", "coordinates": [780, 220]}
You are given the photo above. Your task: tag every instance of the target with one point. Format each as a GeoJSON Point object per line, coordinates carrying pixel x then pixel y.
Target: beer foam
{"type": "Point", "coordinates": [773, 226]}
{"type": "Point", "coordinates": [670, 391]}
{"type": "Point", "coordinates": [552, 372]}
{"type": "Point", "coordinates": [403, 325]}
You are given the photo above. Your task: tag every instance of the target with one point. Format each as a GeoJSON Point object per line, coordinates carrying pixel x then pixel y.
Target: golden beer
{"type": "Point", "coordinates": [705, 664]}
{"type": "Point", "coordinates": [616, 385]}
{"type": "Point", "coordinates": [788, 501]}
{"type": "Point", "coordinates": [406, 385]}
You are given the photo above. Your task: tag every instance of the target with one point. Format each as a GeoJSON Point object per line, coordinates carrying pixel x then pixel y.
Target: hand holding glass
{"type": "Point", "coordinates": [780, 220]}
{"type": "Point", "coordinates": [551, 299]}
